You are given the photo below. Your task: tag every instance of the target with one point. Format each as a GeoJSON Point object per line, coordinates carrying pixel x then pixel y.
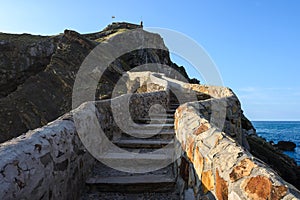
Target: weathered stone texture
{"type": "Point", "coordinates": [260, 187]}
{"type": "Point", "coordinates": [244, 168]}
{"type": "Point", "coordinates": [190, 144]}
{"type": "Point", "coordinates": [41, 163]}
{"type": "Point", "coordinates": [198, 162]}
{"type": "Point", "coordinates": [207, 180]}
{"type": "Point", "coordinates": [221, 187]}
{"type": "Point", "coordinates": [23, 56]}
{"type": "Point", "coordinates": [202, 128]}
{"type": "Point", "coordinates": [223, 168]}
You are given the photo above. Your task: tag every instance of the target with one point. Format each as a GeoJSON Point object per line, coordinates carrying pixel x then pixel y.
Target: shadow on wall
{"type": "Point", "coordinates": [195, 188]}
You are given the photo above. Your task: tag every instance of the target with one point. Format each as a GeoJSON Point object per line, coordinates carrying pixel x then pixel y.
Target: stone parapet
{"type": "Point", "coordinates": [215, 166]}
{"type": "Point", "coordinates": [46, 163]}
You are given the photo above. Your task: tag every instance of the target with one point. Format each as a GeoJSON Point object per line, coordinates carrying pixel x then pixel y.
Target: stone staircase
{"type": "Point", "coordinates": [108, 183]}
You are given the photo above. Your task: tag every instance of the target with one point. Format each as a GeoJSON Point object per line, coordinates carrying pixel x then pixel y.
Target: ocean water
{"type": "Point", "coordinates": [281, 130]}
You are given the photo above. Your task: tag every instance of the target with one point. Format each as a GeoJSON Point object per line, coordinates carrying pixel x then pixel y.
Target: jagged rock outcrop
{"type": "Point", "coordinates": [37, 74]}
{"type": "Point", "coordinates": [46, 95]}
{"type": "Point", "coordinates": [22, 56]}
{"type": "Point", "coordinates": [286, 145]}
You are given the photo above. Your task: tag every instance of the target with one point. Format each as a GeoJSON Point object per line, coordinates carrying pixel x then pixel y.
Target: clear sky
{"type": "Point", "coordinates": [254, 43]}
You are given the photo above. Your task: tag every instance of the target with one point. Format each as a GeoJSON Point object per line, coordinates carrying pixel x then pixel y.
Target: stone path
{"type": "Point", "coordinates": [108, 183]}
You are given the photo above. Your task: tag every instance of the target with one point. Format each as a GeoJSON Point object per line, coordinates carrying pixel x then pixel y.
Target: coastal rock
{"type": "Point", "coordinates": [247, 126]}
{"type": "Point", "coordinates": [286, 145]}
{"type": "Point", "coordinates": [285, 166]}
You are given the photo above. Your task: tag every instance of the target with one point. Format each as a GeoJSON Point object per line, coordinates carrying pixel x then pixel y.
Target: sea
{"type": "Point", "coordinates": [281, 130]}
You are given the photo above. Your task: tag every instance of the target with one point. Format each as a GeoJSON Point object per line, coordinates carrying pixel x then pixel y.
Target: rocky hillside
{"type": "Point", "coordinates": [38, 72]}
{"type": "Point", "coordinates": [22, 56]}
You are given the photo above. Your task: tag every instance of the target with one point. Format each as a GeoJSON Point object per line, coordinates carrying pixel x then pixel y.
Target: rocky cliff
{"type": "Point", "coordinates": [22, 56]}
{"type": "Point", "coordinates": [37, 74]}
{"type": "Point", "coordinates": [44, 94]}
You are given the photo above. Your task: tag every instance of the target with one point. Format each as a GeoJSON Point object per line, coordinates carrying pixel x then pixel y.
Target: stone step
{"type": "Point", "coordinates": [140, 157]}
{"type": "Point", "coordinates": [172, 106]}
{"type": "Point", "coordinates": [140, 143]}
{"type": "Point", "coordinates": [182, 100]}
{"type": "Point", "coordinates": [148, 130]}
{"type": "Point", "coordinates": [170, 195]}
{"type": "Point", "coordinates": [139, 162]}
{"type": "Point", "coordinates": [141, 168]}
{"type": "Point", "coordinates": [101, 169]}
{"type": "Point", "coordinates": [157, 120]}
{"type": "Point", "coordinates": [132, 184]}
{"type": "Point", "coordinates": [163, 115]}
{"type": "Point", "coordinates": [168, 148]}
{"type": "Point", "coordinates": [170, 111]}
{"type": "Point", "coordinates": [152, 126]}
{"type": "Point", "coordinates": [163, 134]}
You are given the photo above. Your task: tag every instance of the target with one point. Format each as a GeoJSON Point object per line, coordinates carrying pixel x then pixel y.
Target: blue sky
{"type": "Point", "coordinates": [254, 43]}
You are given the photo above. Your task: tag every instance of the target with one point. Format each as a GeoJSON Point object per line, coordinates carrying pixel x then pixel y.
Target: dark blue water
{"type": "Point", "coordinates": [281, 130]}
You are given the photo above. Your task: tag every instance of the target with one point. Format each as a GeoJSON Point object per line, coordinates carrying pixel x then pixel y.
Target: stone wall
{"type": "Point", "coordinates": [51, 162]}
{"type": "Point", "coordinates": [215, 166]}
{"type": "Point", "coordinates": [214, 91]}
{"type": "Point", "coordinates": [46, 163]}
{"type": "Point", "coordinates": [224, 111]}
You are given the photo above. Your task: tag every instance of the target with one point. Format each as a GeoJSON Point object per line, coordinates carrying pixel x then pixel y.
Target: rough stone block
{"type": "Point", "coordinates": [207, 181]}
{"type": "Point", "coordinates": [221, 187]}
{"type": "Point", "coordinates": [190, 144]}
{"type": "Point", "coordinates": [213, 139]}
{"type": "Point", "coordinates": [198, 162]}
{"type": "Point", "coordinates": [202, 128]}
{"type": "Point", "coordinates": [260, 188]}
{"type": "Point", "coordinates": [243, 169]}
